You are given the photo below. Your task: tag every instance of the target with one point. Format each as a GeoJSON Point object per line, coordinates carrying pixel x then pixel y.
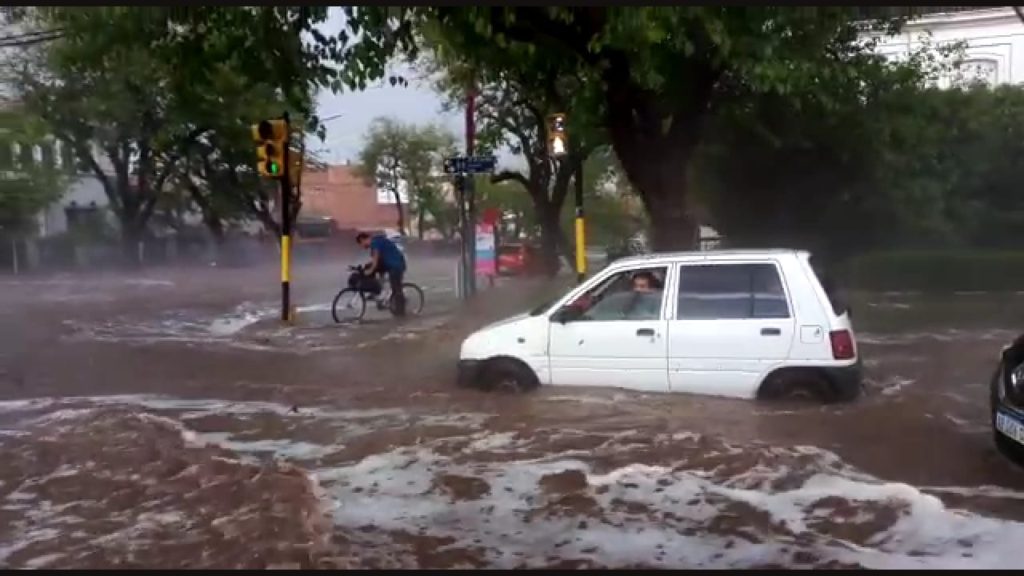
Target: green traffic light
{"type": "Point", "coordinates": [274, 168]}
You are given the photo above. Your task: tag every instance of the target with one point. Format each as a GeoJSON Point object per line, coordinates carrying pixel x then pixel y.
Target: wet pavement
{"type": "Point", "coordinates": [166, 419]}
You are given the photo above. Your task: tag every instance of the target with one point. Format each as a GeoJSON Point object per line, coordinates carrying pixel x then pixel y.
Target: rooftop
{"type": "Point", "coordinates": [734, 254]}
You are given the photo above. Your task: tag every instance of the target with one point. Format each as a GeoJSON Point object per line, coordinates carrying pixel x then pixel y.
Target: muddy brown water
{"type": "Point", "coordinates": [165, 419]}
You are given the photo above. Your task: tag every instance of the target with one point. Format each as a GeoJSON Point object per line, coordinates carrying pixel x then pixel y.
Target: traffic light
{"type": "Point", "coordinates": [272, 136]}
{"type": "Point", "coordinates": [558, 138]}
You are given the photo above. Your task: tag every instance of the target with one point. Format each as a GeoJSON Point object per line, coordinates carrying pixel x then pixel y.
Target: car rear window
{"type": "Point", "coordinates": [731, 291]}
{"type": "Point", "coordinates": [836, 295]}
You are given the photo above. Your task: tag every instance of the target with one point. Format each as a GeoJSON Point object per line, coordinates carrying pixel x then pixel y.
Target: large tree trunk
{"type": "Point", "coordinates": [400, 213]}
{"type": "Point", "coordinates": [553, 243]}
{"type": "Point", "coordinates": [421, 213]}
{"type": "Point", "coordinates": [131, 241]}
{"type": "Point", "coordinates": [660, 176]}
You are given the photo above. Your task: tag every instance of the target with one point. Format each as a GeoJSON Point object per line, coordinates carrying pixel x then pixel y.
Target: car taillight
{"type": "Point", "coordinates": [842, 344]}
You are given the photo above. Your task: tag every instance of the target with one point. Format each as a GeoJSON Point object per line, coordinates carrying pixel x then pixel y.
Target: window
{"type": "Point", "coordinates": [731, 291]}
{"type": "Point", "coordinates": [6, 155]}
{"type": "Point", "coordinates": [67, 157]}
{"type": "Point", "coordinates": [47, 156]}
{"type": "Point", "coordinates": [25, 156]}
{"type": "Point", "coordinates": [632, 295]}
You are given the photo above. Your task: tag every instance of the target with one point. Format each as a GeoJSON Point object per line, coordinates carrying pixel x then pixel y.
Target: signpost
{"type": "Point", "coordinates": [470, 164]}
{"type": "Point", "coordinates": [463, 168]}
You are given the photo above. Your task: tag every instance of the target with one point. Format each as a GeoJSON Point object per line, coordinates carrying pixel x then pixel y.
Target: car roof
{"type": "Point", "coordinates": [734, 254]}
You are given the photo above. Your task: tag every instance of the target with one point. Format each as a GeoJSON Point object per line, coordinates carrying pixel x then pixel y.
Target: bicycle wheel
{"type": "Point", "coordinates": [349, 305]}
{"type": "Point", "coordinates": [413, 299]}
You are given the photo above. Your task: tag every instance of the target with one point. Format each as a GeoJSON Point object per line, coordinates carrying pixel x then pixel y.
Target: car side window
{"type": "Point", "coordinates": [731, 291]}
{"type": "Point", "coordinates": [630, 295]}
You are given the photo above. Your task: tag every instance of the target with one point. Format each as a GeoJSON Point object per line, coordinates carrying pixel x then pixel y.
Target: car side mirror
{"type": "Point", "coordinates": [567, 314]}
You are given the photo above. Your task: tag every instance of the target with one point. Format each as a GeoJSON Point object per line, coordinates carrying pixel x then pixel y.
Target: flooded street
{"type": "Point", "coordinates": [166, 419]}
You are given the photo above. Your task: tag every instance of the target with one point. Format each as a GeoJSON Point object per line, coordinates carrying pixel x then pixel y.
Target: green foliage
{"type": "Point", "coordinates": [937, 270]}
{"type": "Point", "coordinates": [889, 163]}
{"type": "Point", "coordinates": [399, 156]}
{"type": "Point", "coordinates": [151, 97]}
{"type": "Point", "coordinates": [655, 71]}
{"type": "Point", "coordinates": [26, 188]}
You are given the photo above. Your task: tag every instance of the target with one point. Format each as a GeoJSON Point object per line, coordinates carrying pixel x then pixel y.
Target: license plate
{"type": "Point", "coordinates": [1010, 427]}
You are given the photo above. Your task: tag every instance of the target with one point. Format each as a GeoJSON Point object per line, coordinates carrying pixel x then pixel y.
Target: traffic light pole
{"type": "Point", "coordinates": [469, 190]}
{"type": "Point", "coordinates": [581, 244]}
{"type": "Point", "coordinates": [286, 227]}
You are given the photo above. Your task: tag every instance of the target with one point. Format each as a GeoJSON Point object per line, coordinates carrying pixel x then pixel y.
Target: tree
{"type": "Point", "coordinates": [27, 184]}
{"type": "Point", "coordinates": [405, 160]}
{"type": "Point", "coordinates": [660, 71]}
{"type": "Point", "coordinates": [512, 109]}
{"type": "Point", "coordinates": [135, 87]}
{"type": "Point", "coordinates": [837, 174]}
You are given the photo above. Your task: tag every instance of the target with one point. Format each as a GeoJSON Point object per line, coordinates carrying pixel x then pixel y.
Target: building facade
{"type": "Point", "coordinates": [341, 193]}
{"type": "Point", "coordinates": [993, 38]}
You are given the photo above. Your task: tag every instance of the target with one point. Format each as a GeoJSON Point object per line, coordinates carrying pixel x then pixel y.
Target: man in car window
{"type": "Point", "coordinates": [640, 301]}
{"type": "Point", "coordinates": [643, 283]}
{"type": "Point", "coordinates": [646, 301]}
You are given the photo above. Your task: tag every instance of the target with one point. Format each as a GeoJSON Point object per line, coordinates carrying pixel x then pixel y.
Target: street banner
{"type": "Point", "coordinates": [486, 255]}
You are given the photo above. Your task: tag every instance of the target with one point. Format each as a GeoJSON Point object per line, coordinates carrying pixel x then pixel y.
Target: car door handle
{"type": "Point", "coordinates": [649, 332]}
{"type": "Point", "coordinates": [771, 332]}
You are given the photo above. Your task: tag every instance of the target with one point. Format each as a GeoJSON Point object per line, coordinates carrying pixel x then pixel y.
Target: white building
{"type": "Point", "coordinates": [84, 193]}
{"type": "Point", "coordinates": [994, 39]}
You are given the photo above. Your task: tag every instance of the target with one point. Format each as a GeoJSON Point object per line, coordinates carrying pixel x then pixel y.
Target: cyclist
{"type": "Point", "coordinates": [386, 258]}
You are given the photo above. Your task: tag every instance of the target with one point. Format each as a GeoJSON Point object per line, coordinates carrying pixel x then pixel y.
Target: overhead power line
{"type": "Point", "coordinates": [29, 38]}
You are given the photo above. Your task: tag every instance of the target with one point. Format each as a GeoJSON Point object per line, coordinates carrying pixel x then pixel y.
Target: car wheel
{"type": "Point", "coordinates": [508, 376]}
{"type": "Point", "coordinates": [800, 386]}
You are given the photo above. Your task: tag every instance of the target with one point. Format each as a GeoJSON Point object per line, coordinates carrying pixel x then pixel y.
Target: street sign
{"type": "Point", "coordinates": [470, 164]}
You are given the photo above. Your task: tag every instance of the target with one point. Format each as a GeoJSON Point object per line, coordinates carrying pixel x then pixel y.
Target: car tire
{"type": "Point", "coordinates": [506, 375]}
{"type": "Point", "coordinates": [799, 385]}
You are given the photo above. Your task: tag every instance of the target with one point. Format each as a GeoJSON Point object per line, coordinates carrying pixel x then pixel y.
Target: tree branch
{"type": "Point", "coordinates": [506, 175]}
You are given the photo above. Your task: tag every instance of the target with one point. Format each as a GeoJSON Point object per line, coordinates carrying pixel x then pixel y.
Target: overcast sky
{"type": "Point", "coordinates": [415, 103]}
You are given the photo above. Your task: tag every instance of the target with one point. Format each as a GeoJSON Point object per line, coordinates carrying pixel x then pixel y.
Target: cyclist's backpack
{"type": "Point", "coordinates": [364, 283]}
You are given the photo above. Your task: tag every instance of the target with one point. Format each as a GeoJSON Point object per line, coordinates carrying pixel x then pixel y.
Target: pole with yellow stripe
{"type": "Point", "coordinates": [581, 237]}
{"type": "Point", "coordinates": [286, 228]}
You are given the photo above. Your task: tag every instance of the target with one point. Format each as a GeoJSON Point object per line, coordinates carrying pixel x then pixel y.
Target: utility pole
{"type": "Point", "coordinates": [558, 149]}
{"type": "Point", "coordinates": [286, 226]}
{"type": "Point", "coordinates": [469, 194]}
{"type": "Point", "coordinates": [272, 162]}
{"type": "Point", "coordinates": [581, 244]}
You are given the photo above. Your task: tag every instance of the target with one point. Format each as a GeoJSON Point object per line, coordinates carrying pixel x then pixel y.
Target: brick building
{"type": "Point", "coordinates": [342, 194]}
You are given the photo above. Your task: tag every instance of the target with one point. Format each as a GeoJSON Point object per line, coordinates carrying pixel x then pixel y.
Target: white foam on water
{"type": "Point", "coordinates": [226, 326]}
{"type": "Point", "coordinates": [890, 305]}
{"type": "Point", "coordinates": [397, 491]}
{"type": "Point", "coordinates": [894, 385]}
{"type": "Point", "coordinates": [671, 522]}
{"type": "Point", "coordinates": [996, 492]}
{"type": "Point", "coordinates": [149, 282]}
{"type": "Point", "coordinates": [282, 448]}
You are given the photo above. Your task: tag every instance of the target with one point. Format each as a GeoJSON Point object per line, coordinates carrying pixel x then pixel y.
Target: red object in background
{"type": "Point", "coordinates": [491, 216]}
{"type": "Point", "coordinates": [517, 258]}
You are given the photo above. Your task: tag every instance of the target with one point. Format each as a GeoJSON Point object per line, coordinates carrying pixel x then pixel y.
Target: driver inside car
{"type": "Point", "coordinates": [642, 301]}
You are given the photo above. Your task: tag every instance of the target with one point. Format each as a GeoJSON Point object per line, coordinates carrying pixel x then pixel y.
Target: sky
{"type": "Point", "coordinates": [415, 103]}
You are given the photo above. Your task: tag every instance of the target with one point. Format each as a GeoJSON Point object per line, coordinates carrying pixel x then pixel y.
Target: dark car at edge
{"type": "Point", "coordinates": [1007, 401]}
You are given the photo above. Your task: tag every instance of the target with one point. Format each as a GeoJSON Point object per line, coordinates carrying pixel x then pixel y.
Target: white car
{"type": "Point", "coordinates": [745, 324]}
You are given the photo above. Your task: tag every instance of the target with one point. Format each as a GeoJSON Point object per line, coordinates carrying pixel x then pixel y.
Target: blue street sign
{"type": "Point", "coordinates": [470, 164]}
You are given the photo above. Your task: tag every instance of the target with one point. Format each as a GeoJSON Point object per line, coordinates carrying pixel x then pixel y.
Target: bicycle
{"type": "Point", "coordinates": [350, 303]}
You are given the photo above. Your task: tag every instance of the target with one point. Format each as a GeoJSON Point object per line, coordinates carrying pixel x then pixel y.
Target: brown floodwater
{"type": "Point", "coordinates": [166, 419]}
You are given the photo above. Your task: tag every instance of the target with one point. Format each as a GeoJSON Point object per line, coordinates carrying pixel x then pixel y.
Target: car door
{"type": "Point", "coordinates": [732, 323]}
{"type": "Point", "coordinates": [618, 341]}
